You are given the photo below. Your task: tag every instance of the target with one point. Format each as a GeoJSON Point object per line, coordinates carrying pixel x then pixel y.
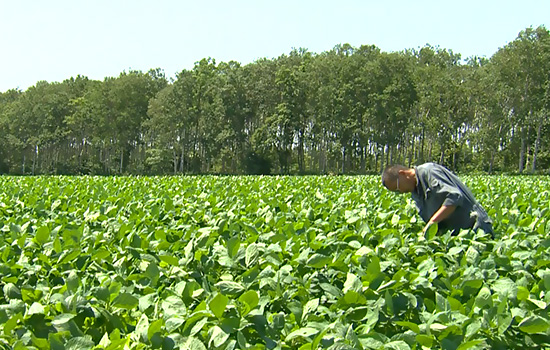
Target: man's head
{"type": "Point", "coordinates": [398, 178]}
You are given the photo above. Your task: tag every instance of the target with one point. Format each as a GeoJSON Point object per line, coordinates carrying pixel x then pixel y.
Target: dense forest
{"type": "Point", "coordinates": [344, 111]}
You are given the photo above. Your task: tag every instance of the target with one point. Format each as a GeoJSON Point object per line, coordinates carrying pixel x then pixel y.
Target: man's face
{"type": "Point", "coordinates": [394, 185]}
{"type": "Point", "coordinates": [400, 185]}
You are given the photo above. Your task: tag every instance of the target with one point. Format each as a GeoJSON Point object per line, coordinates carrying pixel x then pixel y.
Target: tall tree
{"type": "Point", "coordinates": [522, 69]}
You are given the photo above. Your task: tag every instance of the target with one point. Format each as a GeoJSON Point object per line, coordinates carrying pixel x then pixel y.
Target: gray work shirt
{"type": "Point", "coordinates": [437, 186]}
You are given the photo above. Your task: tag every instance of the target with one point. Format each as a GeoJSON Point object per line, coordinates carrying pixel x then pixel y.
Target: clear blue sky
{"type": "Point", "coordinates": [56, 39]}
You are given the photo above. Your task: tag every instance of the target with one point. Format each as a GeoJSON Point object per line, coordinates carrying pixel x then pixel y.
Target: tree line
{"type": "Point", "coordinates": [345, 111]}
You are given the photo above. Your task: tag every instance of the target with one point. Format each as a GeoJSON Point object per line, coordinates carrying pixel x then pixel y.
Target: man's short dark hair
{"type": "Point", "coordinates": [392, 172]}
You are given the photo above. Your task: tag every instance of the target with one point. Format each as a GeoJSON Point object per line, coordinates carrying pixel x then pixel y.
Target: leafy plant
{"type": "Point", "coordinates": [266, 263]}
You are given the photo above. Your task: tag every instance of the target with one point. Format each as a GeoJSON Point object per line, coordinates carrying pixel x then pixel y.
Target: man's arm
{"type": "Point", "coordinates": [440, 215]}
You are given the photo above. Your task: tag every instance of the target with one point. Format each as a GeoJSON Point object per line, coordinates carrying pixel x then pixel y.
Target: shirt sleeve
{"type": "Point", "coordinates": [444, 187]}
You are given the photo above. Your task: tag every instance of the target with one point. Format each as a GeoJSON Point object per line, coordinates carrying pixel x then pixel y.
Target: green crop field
{"type": "Point", "coordinates": [266, 263]}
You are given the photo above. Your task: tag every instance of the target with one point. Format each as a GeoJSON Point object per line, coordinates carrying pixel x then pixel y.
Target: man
{"type": "Point", "coordinates": [439, 195]}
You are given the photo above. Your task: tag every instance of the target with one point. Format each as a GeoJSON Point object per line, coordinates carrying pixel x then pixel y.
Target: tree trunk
{"type": "Point", "coordinates": [522, 154]}
{"type": "Point", "coordinates": [175, 160]}
{"type": "Point", "coordinates": [301, 157]}
{"type": "Point", "coordinates": [536, 150]}
{"type": "Point", "coordinates": [371, 158]}
{"type": "Point", "coordinates": [411, 152]}
{"type": "Point", "coordinates": [121, 159]}
{"type": "Point", "coordinates": [421, 153]}
{"type": "Point", "coordinates": [182, 155]}
{"type": "Point", "coordinates": [343, 160]}
{"type": "Point", "coordinates": [34, 159]}
{"type": "Point", "coordinates": [382, 159]}
{"type": "Point", "coordinates": [363, 159]}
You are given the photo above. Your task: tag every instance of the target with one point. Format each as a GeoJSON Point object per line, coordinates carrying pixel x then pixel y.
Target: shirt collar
{"type": "Point", "coordinates": [417, 187]}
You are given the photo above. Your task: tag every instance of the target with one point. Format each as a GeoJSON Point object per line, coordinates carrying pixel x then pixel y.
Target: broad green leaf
{"type": "Point", "coordinates": [233, 246]}
{"type": "Point", "coordinates": [432, 232]}
{"type": "Point", "coordinates": [6, 253]}
{"type": "Point", "coordinates": [523, 293]}
{"type": "Point", "coordinates": [40, 343]}
{"type": "Point", "coordinates": [174, 323]}
{"type": "Point", "coordinates": [192, 343]}
{"type": "Point", "coordinates": [217, 337]}
{"type": "Point", "coordinates": [484, 298]}
{"type": "Point", "coordinates": [472, 329]}
{"type": "Point", "coordinates": [539, 303]}
{"type": "Point", "coordinates": [57, 245]}
{"type": "Point", "coordinates": [505, 287]}
{"type": "Point", "coordinates": [311, 306]}
{"type": "Point", "coordinates": [80, 343]}
{"type": "Point", "coordinates": [441, 303]}
{"type": "Point", "coordinates": [11, 291]}
{"type": "Point", "coordinates": [72, 281]}
{"type": "Point", "coordinates": [62, 318]}
{"type": "Point", "coordinates": [251, 254]}
{"type": "Point", "coordinates": [241, 340]}
{"type": "Point", "coordinates": [395, 219]}
{"type": "Point", "coordinates": [230, 287]}
{"type": "Point", "coordinates": [36, 309]}
{"type": "Point", "coordinates": [42, 235]}
{"type": "Point", "coordinates": [305, 332]}
{"type": "Point", "coordinates": [364, 251]}
{"type": "Point", "coordinates": [545, 276]}
{"type": "Point", "coordinates": [438, 327]}
{"type": "Point", "coordinates": [504, 321]}
{"type": "Point", "coordinates": [218, 304]}
{"type": "Point", "coordinates": [389, 302]}
{"type": "Point", "coordinates": [472, 256]}
{"type": "Point", "coordinates": [397, 345]}
{"type": "Point", "coordinates": [455, 250]}
{"type": "Point", "coordinates": [125, 301]}
{"type": "Point", "coordinates": [56, 341]}
{"type": "Point", "coordinates": [353, 219]}
{"type": "Point", "coordinates": [12, 322]}
{"type": "Point", "coordinates": [354, 298]}
{"type": "Point", "coordinates": [154, 327]}
{"type": "Point", "coordinates": [365, 230]}
{"type": "Point", "coordinates": [534, 324]}
{"type": "Point", "coordinates": [410, 325]}
{"type": "Point", "coordinates": [373, 269]}
{"type": "Point", "coordinates": [352, 338]}
{"type": "Point", "coordinates": [425, 340]}
{"type": "Point", "coordinates": [68, 256]}
{"type": "Point", "coordinates": [296, 308]}
{"type": "Point", "coordinates": [142, 326]}
{"type": "Point", "coordinates": [250, 299]}
{"type": "Point", "coordinates": [146, 301]}
{"type": "Point", "coordinates": [470, 344]}
{"type": "Point", "coordinates": [331, 289]}
{"type": "Point", "coordinates": [169, 259]}
{"type": "Point", "coordinates": [319, 260]}
{"type": "Point", "coordinates": [173, 305]}
{"type": "Point", "coordinates": [352, 283]}
{"type": "Point", "coordinates": [198, 326]}
{"type": "Point", "coordinates": [153, 273]}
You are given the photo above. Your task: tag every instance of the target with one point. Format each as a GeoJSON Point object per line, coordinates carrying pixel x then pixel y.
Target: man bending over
{"type": "Point", "coordinates": [439, 195]}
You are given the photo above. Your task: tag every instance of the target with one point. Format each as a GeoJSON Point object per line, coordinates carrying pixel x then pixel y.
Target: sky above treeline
{"type": "Point", "coordinates": [58, 39]}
